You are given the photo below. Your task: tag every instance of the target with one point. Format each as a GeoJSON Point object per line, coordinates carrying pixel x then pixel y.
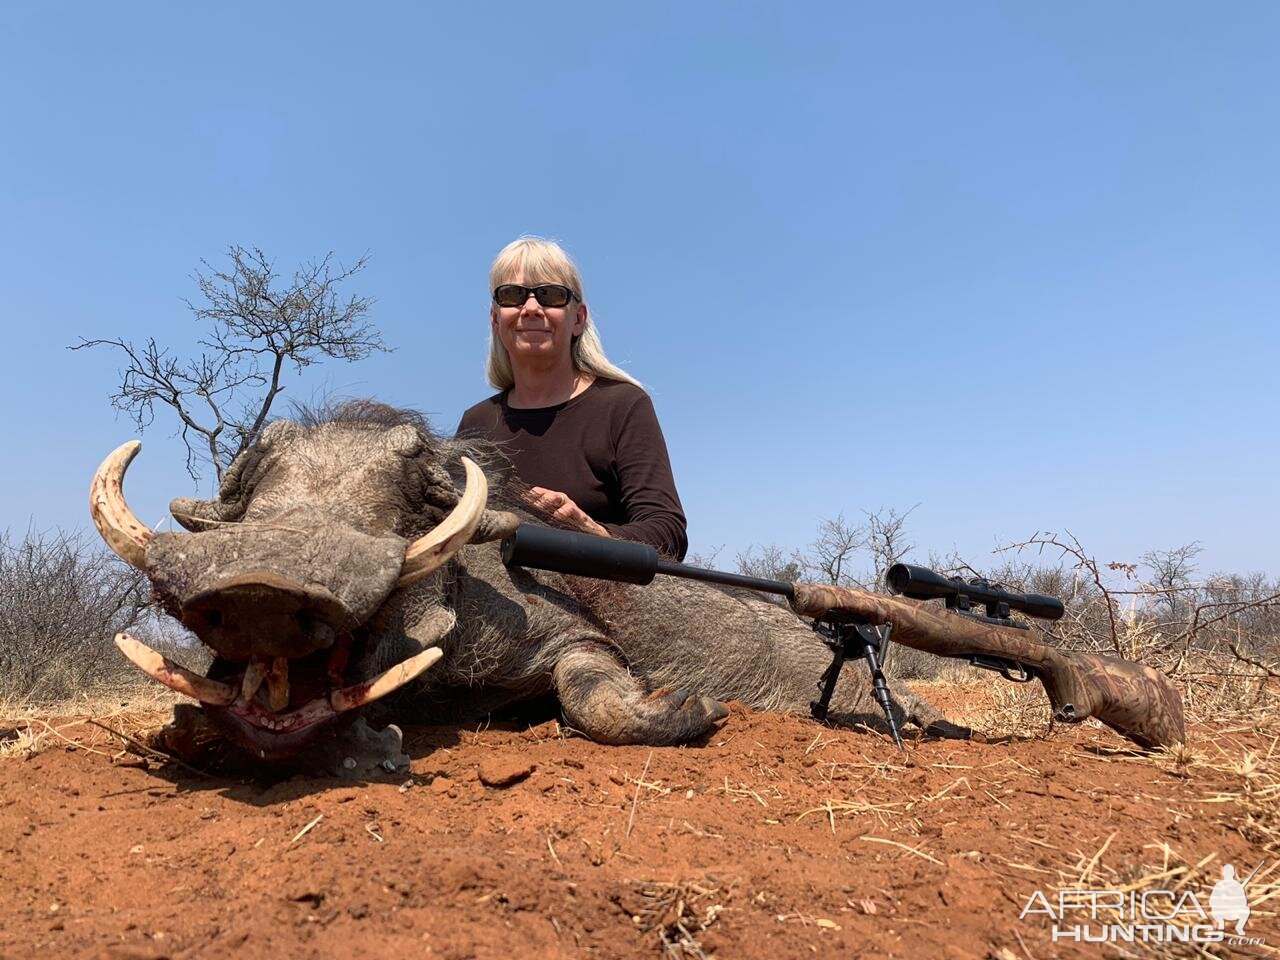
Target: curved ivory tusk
{"type": "Point", "coordinates": [429, 552]}
{"type": "Point", "coordinates": [124, 533]}
{"type": "Point", "coordinates": [175, 677]}
{"type": "Point", "coordinates": [359, 694]}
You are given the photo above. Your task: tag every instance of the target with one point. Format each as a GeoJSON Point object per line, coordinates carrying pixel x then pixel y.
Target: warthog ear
{"type": "Point", "coordinates": [275, 432]}
{"type": "Point", "coordinates": [233, 495]}
{"type": "Point", "coordinates": [495, 525]}
{"type": "Point", "coordinates": [404, 440]}
{"type": "Point", "coordinates": [197, 515]}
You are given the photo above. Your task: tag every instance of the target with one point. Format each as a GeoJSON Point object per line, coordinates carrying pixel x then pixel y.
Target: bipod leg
{"type": "Point", "coordinates": [871, 639]}
{"type": "Point", "coordinates": [820, 706]}
{"type": "Point", "coordinates": [859, 641]}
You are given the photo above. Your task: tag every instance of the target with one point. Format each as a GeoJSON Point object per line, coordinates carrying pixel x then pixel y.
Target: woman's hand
{"type": "Point", "coordinates": [562, 508]}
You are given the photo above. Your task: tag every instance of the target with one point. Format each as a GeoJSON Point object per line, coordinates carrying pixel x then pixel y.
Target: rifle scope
{"type": "Point", "coordinates": [921, 583]}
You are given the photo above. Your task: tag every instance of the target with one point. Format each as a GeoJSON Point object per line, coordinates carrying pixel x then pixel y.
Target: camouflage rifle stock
{"type": "Point", "coordinates": [1134, 700]}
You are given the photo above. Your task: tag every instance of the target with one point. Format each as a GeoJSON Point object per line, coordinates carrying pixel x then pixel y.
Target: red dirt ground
{"type": "Point", "coordinates": [777, 839]}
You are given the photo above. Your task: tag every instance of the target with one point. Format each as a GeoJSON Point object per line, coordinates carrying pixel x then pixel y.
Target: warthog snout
{"type": "Point", "coordinates": [264, 614]}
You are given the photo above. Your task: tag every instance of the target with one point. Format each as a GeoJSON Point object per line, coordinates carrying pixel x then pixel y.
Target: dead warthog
{"type": "Point", "coordinates": [354, 554]}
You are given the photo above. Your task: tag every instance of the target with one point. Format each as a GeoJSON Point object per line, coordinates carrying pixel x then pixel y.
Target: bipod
{"type": "Point", "coordinates": [854, 639]}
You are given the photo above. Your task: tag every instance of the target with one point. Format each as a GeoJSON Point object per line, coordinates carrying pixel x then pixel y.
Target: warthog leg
{"type": "Point", "coordinates": [605, 702]}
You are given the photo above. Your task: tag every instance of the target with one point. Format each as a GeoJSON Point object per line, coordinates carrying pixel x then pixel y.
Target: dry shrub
{"type": "Point", "coordinates": [1218, 687]}
{"type": "Point", "coordinates": [62, 600]}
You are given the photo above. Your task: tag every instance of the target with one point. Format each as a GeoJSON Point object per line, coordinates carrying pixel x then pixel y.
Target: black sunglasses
{"type": "Point", "coordinates": [548, 295]}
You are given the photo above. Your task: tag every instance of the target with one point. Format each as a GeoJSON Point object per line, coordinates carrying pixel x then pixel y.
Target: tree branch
{"type": "Point", "coordinates": [249, 315]}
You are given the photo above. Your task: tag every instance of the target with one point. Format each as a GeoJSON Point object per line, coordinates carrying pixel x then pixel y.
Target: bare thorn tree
{"type": "Point", "coordinates": [887, 540]}
{"type": "Point", "coordinates": [1084, 564]}
{"type": "Point", "coordinates": [768, 562]}
{"type": "Point", "coordinates": [256, 326]}
{"type": "Point", "coordinates": [830, 555]}
{"type": "Point", "coordinates": [704, 558]}
{"type": "Point", "coordinates": [1172, 572]}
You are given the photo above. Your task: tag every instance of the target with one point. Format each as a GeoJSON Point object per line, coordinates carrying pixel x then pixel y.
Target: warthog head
{"type": "Point", "coordinates": [314, 528]}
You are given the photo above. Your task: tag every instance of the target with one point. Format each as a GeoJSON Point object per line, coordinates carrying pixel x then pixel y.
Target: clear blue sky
{"type": "Point", "coordinates": [1017, 263]}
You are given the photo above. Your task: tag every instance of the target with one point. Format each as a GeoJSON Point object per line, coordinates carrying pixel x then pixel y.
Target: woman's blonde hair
{"type": "Point", "coordinates": [544, 261]}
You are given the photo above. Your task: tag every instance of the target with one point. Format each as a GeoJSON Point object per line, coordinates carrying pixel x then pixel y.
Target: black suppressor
{"type": "Point", "coordinates": [585, 555]}
{"type": "Point", "coordinates": [921, 583]}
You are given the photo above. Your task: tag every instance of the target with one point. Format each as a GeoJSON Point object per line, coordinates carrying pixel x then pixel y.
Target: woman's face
{"type": "Point", "coordinates": [534, 333]}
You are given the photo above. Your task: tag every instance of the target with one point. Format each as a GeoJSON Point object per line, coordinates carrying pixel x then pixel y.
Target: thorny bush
{"type": "Point", "coordinates": [61, 602]}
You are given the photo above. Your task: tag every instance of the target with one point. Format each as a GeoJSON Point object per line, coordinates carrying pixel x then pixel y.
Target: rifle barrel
{"type": "Point", "coordinates": [726, 579]}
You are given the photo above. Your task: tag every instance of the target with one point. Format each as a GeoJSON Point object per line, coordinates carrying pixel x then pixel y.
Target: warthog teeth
{"type": "Point", "coordinates": [278, 684]}
{"type": "Point", "coordinates": [252, 680]}
{"type": "Point", "coordinates": [172, 675]}
{"type": "Point", "coordinates": [360, 694]}
{"type": "Point", "coordinates": [218, 694]}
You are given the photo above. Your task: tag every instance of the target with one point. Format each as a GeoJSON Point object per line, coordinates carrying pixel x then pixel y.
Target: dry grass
{"type": "Point", "coordinates": [27, 728]}
{"type": "Point", "coordinates": [905, 663]}
{"type": "Point", "coordinates": [885, 812]}
{"type": "Point", "coordinates": [1222, 687]}
{"type": "Point", "coordinates": [1017, 710]}
{"type": "Point", "coordinates": [1237, 777]}
{"type": "Point", "coordinates": [1255, 781]}
{"type": "Point", "coordinates": [676, 915]}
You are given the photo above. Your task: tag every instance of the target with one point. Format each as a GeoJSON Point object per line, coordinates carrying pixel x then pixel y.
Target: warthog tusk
{"type": "Point", "coordinates": [175, 677]}
{"type": "Point", "coordinates": [251, 681]}
{"type": "Point", "coordinates": [431, 551]}
{"type": "Point", "coordinates": [124, 533]}
{"type": "Point", "coordinates": [360, 694]}
{"type": "Point", "coordinates": [278, 684]}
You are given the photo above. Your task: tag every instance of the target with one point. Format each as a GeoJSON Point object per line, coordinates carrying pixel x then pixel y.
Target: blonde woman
{"type": "Point", "coordinates": [576, 427]}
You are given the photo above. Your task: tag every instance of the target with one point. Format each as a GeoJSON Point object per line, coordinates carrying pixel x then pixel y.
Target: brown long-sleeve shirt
{"type": "Point", "coordinates": [604, 449]}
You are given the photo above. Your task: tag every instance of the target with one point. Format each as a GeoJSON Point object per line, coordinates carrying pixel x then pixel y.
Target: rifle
{"type": "Point", "coordinates": [1134, 700]}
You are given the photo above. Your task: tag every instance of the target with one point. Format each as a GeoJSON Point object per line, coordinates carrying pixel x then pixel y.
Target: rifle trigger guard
{"type": "Point", "coordinates": [1011, 670]}
{"type": "Point", "coordinates": [1023, 675]}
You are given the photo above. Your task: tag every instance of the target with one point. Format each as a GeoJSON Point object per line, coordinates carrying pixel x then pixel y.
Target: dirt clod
{"type": "Point", "coordinates": [441, 786]}
{"type": "Point", "coordinates": [503, 771]}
